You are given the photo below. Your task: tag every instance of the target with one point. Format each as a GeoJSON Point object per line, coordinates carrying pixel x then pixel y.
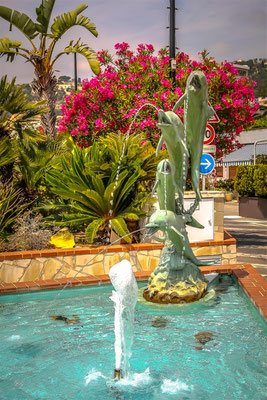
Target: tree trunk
{"type": "Point", "coordinates": [45, 87]}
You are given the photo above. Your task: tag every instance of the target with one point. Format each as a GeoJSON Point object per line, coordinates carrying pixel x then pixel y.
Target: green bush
{"type": "Point", "coordinates": [250, 180]}
{"type": "Point", "coordinates": [100, 188]}
{"type": "Point", "coordinates": [260, 180]}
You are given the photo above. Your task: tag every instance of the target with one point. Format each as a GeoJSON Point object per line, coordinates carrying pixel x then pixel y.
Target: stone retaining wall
{"type": "Point", "coordinates": [61, 263]}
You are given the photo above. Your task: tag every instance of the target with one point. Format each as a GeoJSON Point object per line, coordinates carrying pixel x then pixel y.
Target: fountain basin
{"type": "Point", "coordinates": [216, 346]}
{"type": "Point", "coordinates": [248, 278]}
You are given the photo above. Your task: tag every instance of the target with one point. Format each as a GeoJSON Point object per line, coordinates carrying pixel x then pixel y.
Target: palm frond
{"type": "Point", "coordinates": [9, 48]}
{"type": "Point", "coordinates": [93, 228]}
{"type": "Point", "coordinates": [85, 51]}
{"type": "Point", "coordinates": [7, 155]}
{"type": "Point", "coordinates": [44, 12]}
{"type": "Point", "coordinates": [65, 21]}
{"type": "Point", "coordinates": [15, 109]}
{"type": "Point", "coordinates": [119, 226]}
{"type": "Point", "coordinates": [20, 21]}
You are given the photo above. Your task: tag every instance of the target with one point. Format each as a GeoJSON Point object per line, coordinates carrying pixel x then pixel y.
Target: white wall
{"type": "Point", "coordinates": [247, 137]}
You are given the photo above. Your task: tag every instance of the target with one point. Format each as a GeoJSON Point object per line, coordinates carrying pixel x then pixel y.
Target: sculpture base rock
{"type": "Point", "coordinates": [180, 293]}
{"type": "Point", "coordinates": [175, 280]}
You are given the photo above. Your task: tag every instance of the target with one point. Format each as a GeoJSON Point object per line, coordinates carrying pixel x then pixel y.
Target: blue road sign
{"type": "Point", "coordinates": [207, 164]}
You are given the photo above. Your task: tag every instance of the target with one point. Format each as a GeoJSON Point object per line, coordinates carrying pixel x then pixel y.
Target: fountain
{"type": "Point", "coordinates": [124, 298]}
{"type": "Point", "coordinates": [177, 278]}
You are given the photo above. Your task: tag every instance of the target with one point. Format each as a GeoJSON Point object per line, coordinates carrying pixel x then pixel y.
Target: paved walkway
{"type": "Point", "coordinates": [251, 237]}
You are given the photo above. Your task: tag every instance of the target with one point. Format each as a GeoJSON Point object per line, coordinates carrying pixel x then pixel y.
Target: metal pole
{"type": "Point", "coordinates": [172, 40]}
{"type": "Point", "coordinates": [203, 182]}
{"type": "Point", "coordinates": [75, 72]}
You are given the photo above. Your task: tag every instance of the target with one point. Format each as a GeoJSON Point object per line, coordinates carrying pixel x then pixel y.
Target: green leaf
{"type": "Point", "coordinates": [128, 185]}
{"type": "Point", "coordinates": [44, 12]}
{"type": "Point", "coordinates": [85, 51]}
{"type": "Point", "coordinates": [114, 187]}
{"type": "Point", "coordinates": [129, 215]}
{"type": "Point", "coordinates": [77, 219]}
{"type": "Point", "coordinates": [66, 21]}
{"type": "Point", "coordinates": [7, 155]}
{"type": "Point", "coordinates": [120, 227]}
{"type": "Point", "coordinates": [93, 228]}
{"type": "Point", "coordinates": [9, 48]}
{"type": "Point", "coordinates": [98, 185]}
{"type": "Point", "coordinates": [20, 21]}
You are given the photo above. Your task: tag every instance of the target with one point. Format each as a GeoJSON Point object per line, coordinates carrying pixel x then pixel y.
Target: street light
{"type": "Point", "coordinates": [75, 72]}
{"type": "Point", "coordinates": [172, 40]}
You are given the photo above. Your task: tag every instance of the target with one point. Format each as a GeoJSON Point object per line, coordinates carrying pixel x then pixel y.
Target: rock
{"type": "Point", "coordinates": [63, 239]}
{"type": "Point", "coordinates": [75, 320]}
{"type": "Point", "coordinates": [204, 337]}
{"type": "Point", "coordinates": [159, 322]}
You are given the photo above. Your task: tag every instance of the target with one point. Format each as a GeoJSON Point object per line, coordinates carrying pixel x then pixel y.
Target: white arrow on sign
{"type": "Point", "coordinates": [207, 163]}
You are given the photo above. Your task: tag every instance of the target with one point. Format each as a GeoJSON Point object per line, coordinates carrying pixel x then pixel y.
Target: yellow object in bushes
{"type": "Point", "coordinates": [63, 239]}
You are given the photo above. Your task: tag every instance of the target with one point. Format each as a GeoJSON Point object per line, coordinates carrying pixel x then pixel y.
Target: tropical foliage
{"type": "Point", "coordinates": [41, 55]}
{"type": "Point", "coordinates": [10, 208]}
{"type": "Point", "coordinates": [101, 186]}
{"type": "Point", "coordinates": [108, 102]}
{"type": "Point", "coordinates": [16, 116]}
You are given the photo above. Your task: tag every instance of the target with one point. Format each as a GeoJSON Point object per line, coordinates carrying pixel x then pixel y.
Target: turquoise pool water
{"type": "Point", "coordinates": [49, 359]}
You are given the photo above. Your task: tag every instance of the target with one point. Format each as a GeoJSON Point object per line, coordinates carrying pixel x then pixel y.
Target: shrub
{"type": "Point", "coordinates": [224, 184]}
{"type": "Point", "coordinates": [251, 180]}
{"type": "Point", "coordinates": [108, 102]}
{"type": "Point", "coordinates": [260, 180]}
{"type": "Point", "coordinates": [102, 186]}
{"type": "Point", "coordinates": [29, 234]}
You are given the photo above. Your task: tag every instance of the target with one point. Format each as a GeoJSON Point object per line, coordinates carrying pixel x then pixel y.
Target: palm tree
{"type": "Point", "coordinates": [16, 113]}
{"type": "Point", "coordinates": [41, 55]}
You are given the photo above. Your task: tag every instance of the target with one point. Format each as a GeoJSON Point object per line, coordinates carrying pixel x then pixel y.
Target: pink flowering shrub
{"type": "Point", "coordinates": [108, 102]}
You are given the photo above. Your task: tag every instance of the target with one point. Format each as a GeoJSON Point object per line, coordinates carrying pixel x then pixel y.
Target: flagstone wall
{"type": "Point", "coordinates": [94, 261]}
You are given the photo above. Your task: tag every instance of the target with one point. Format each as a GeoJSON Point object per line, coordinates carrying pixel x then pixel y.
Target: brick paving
{"type": "Point", "coordinates": [250, 235]}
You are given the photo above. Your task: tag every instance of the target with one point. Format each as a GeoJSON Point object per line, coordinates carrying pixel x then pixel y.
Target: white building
{"type": "Point", "coordinates": [244, 156]}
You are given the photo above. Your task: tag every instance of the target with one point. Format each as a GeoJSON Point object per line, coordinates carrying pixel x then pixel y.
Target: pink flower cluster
{"type": "Point", "coordinates": [109, 101]}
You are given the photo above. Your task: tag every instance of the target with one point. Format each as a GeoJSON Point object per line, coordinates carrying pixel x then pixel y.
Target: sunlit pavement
{"type": "Point", "coordinates": [250, 235]}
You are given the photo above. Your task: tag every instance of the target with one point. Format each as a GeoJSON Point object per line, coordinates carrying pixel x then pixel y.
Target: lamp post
{"type": "Point", "coordinates": [172, 40]}
{"type": "Point", "coordinates": [75, 72]}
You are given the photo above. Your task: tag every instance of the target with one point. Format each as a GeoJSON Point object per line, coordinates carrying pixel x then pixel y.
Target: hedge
{"type": "Point", "coordinates": [251, 180]}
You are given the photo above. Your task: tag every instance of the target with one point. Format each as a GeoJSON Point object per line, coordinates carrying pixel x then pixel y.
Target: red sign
{"type": "Point", "coordinates": [214, 119]}
{"type": "Point", "coordinates": [209, 134]}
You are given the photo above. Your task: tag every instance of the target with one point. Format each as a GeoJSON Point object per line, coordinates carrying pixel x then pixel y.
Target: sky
{"type": "Point", "coordinates": [228, 29]}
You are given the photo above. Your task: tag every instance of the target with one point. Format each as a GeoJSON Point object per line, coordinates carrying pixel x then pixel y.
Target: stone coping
{"type": "Point", "coordinates": [252, 282]}
{"type": "Point", "coordinates": [17, 255]}
{"type": "Point", "coordinates": [205, 194]}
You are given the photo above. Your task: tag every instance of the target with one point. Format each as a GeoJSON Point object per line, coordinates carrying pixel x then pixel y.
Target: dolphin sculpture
{"type": "Point", "coordinates": [172, 130]}
{"type": "Point", "coordinates": [165, 189]}
{"type": "Point", "coordinates": [165, 186]}
{"type": "Point", "coordinates": [196, 114]}
{"type": "Point", "coordinates": [173, 224]}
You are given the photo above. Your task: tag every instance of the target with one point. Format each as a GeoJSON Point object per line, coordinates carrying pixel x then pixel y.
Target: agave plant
{"type": "Point", "coordinates": [100, 187]}
{"type": "Point", "coordinates": [41, 56]}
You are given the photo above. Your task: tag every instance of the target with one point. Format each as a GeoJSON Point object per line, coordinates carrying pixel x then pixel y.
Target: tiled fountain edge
{"type": "Point", "coordinates": [252, 282]}
{"type": "Point", "coordinates": [16, 255]}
